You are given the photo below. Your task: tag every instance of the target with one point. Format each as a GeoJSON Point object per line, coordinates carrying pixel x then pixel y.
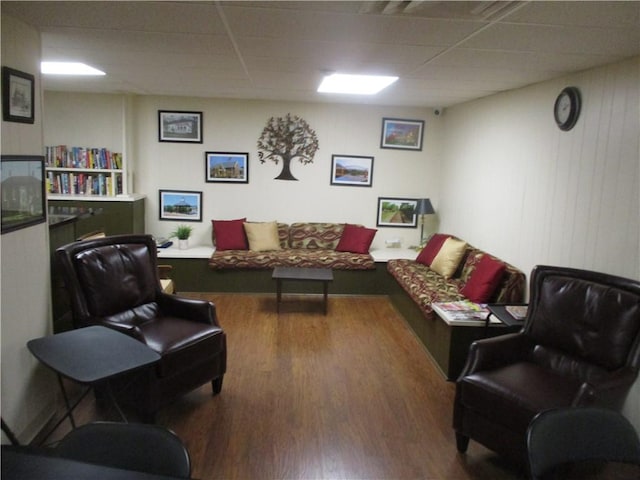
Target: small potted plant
{"type": "Point", "coordinates": [183, 232]}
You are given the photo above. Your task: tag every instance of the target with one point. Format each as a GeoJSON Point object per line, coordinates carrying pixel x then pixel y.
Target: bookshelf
{"type": "Point", "coordinates": [84, 172]}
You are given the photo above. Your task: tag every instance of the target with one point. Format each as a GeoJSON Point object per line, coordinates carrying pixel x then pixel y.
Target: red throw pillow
{"type": "Point", "coordinates": [432, 248]}
{"type": "Point", "coordinates": [484, 280]}
{"type": "Point", "coordinates": [355, 239]}
{"type": "Point", "coordinates": [229, 234]}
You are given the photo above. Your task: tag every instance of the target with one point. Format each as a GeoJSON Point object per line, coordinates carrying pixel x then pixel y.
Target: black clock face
{"type": "Point", "coordinates": [567, 108]}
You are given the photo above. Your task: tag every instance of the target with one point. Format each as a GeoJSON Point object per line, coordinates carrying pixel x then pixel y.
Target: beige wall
{"type": "Point", "coordinates": [28, 390]}
{"type": "Point", "coordinates": [235, 126]}
{"type": "Point", "coordinates": [517, 186]}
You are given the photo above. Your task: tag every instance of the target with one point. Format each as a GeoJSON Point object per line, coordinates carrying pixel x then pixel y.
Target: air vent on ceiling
{"type": "Point", "coordinates": [443, 10]}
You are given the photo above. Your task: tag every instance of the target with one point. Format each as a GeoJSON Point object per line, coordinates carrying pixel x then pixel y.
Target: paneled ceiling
{"type": "Point", "coordinates": [445, 53]}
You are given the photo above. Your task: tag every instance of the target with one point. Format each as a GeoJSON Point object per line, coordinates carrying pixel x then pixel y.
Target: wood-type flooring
{"type": "Point", "coordinates": [349, 395]}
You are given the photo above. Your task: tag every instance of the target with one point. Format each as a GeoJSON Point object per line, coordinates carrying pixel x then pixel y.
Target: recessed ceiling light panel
{"type": "Point", "coordinates": [68, 68]}
{"type": "Point", "coordinates": [354, 84]}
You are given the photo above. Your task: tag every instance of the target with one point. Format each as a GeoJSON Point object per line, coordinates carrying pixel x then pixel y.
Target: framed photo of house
{"type": "Point", "coordinates": [182, 127]}
{"type": "Point", "coordinates": [17, 96]}
{"type": "Point", "coordinates": [402, 134]}
{"type": "Point", "coordinates": [397, 212]}
{"type": "Point", "coordinates": [183, 205]}
{"type": "Point", "coordinates": [227, 167]}
{"type": "Point", "coordinates": [23, 191]}
{"type": "Point", "coordinates": [351, 170]}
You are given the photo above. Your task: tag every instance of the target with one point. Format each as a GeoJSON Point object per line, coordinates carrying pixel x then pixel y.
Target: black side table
{"type": "Point", "coordinates": [501, 313]}
{"type": "Point", "coordinates": [91, 356]}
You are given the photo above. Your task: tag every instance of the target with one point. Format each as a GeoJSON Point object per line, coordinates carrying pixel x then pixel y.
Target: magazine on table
{"type": "Point", "coordinates": [464, 310]}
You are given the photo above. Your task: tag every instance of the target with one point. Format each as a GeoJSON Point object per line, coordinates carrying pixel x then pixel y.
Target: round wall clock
{"type": "Point", "coordinates": [567, 108]}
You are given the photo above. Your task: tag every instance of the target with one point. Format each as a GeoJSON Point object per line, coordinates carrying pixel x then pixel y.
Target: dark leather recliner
{"type": "Point", "coordinates": [114, 282]}
{"type": "Point", "coordinates": [580, 346]}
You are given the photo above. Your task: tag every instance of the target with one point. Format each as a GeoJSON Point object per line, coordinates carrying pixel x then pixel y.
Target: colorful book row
{"type": "Point", "coordinates": [61, 156]}
{"type": "Point", "coordinates": [64, 183]}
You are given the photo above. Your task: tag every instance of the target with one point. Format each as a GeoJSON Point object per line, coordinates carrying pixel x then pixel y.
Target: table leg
{"type": "Point", "coordinates": [326, 295]}
{"type": "Point", "coordinates": [66, 402]}
{"type": "Point", "coordinates": [114, 402]}
{"type": "Point", "coordinates": [278, 294]}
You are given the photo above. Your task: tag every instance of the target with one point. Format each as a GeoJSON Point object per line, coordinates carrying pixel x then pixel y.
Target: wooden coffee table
{"type": "Point", "coordinates": [324, 275]}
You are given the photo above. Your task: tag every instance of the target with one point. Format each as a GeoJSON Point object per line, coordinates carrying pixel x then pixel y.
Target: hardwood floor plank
{"type": "Point", "coordinates": [349, 395]}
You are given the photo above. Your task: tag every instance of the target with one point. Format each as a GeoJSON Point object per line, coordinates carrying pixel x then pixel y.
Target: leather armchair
{"type": "Point", "coordinates": [579, 346]}
{"type": "Point", "coordinates": [114, 282]}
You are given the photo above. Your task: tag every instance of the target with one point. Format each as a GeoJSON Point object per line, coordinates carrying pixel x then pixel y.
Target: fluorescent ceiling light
{"type": "Point", "coordinates": [354, 84]}
{"type": "Point", "coordinates": [68, 68]}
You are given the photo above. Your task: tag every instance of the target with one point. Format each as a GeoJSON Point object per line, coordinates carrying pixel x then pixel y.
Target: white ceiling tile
{"type": "Point", "coordinates": [444, 52]}
{"type": "Point", "coordinates": [560, 39]}
{"type": "Point", "coordinates": [585, 13]}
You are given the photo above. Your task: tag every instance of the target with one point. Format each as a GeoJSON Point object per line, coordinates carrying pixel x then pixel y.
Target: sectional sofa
{"type": "Point", "coordinates": [264, 245]}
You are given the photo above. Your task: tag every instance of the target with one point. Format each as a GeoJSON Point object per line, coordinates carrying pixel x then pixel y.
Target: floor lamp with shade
{"type": "Point", "coordinates": [423, 208]}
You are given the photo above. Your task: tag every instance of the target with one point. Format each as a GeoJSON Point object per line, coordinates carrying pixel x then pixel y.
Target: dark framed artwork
{"type": "Point", "coordinates": [23, 191]}
{"type": "Point", "coordinates": [18, 93]}
{"type": "Point", "coordinates": [351, 170]}
{"type": "Point", "coordinates": [181, 127]}
{"type": "Point", "coordinates": [182, 205]}
{"type": "Point", "coordinates": [227, 167]}
{"type": "Point", "coordinates": [397, 212]}
{"type": "Point", "coordinates": [402, 134]}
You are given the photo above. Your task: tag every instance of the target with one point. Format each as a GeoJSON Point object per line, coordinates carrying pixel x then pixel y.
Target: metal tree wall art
{"type": "Point", "coordinates": [287, 138]}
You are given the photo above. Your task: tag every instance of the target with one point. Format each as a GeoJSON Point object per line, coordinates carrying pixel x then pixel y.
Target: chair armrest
{"type": "Point", "coordinates": [607, 392]}
{"type": "Point", "coordinates": [188, 308]}
{"type": "Point", "coordinates": [126, 328]}
{"type": "Point", "coordinates": [490, 353]}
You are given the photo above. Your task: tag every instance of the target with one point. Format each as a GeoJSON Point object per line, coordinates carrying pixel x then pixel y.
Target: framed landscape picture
{"type": "Point", "coordinates": [176, 126]}
{"type": "Point", "coordinates": [181, 205]}
{"type": "Point", "coordinates": [17, 96]}
{"type": "Point", "coordinates": [397, 212]}
{"type": "Point", "coordinates": [227, 167]}
{"type": "Point", "coordinates": [351, 170]}
{"type": "Point", "coordinates": [402, 134]}
{"type": "Point", "coordinates": [23, 191]}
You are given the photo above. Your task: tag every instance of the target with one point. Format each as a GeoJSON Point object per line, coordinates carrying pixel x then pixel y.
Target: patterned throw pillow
{"type": "Point", "coordinates": [356, 239]}
{"type": "Point", "coordinates": [229, 234]}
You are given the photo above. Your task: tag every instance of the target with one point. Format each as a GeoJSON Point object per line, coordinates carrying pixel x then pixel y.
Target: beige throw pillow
{"type": "Point", "coordinates": [448, 258]}
{"type": "Point", "coordinates": [262, 236]}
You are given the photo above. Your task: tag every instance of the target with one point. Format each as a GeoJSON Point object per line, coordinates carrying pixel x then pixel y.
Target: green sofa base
{"type": "Point", "coordinates": [195, 275]}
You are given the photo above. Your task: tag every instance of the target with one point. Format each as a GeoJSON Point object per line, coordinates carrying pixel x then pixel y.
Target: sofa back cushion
{"type": "Point", "coordinates": [595, 322]}
{"type": "Point", "coordinates": [283, 234]}
{"type": "Point", "coordinates": [315, 235]}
